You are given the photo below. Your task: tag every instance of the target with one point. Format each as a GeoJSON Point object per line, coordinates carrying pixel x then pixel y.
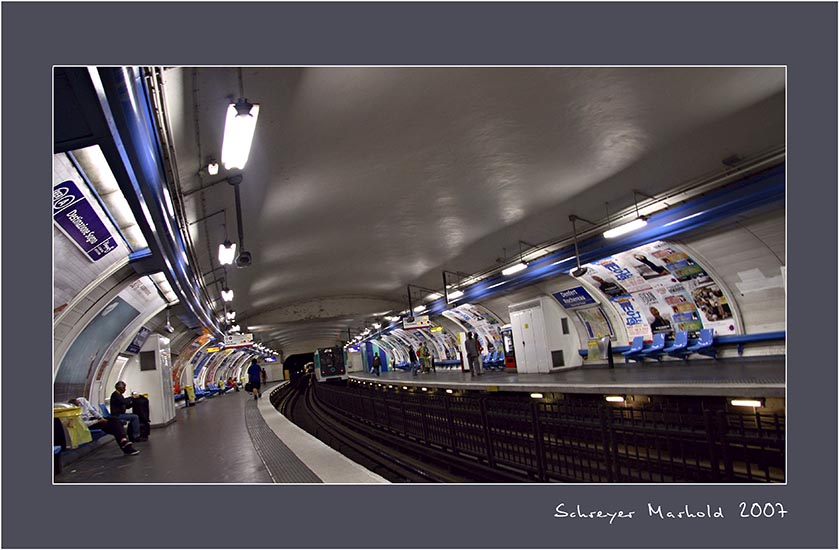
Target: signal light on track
{"type": "Point", "coordinates": [449, 391]}
{"type": "Point", "coordinates": [536, 395]}
{"type": "Point", "coordinates": [615, 398]}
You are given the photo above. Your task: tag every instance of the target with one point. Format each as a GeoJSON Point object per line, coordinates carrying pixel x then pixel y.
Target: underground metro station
{"type": "Point", "coordinates": [419, 275]}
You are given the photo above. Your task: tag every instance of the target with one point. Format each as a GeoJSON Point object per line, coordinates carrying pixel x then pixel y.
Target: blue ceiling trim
{"type": "Point", "coordinates": [127, 134]}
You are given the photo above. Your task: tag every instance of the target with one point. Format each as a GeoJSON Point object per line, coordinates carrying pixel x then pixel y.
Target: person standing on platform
{"type": "Point", "coordinates": [425, 357]}
{"type": "Point", "coordinates": [255, 378]}
{"type": "Point", "coordinates": [412, 357]}
{"type": "Point", "coordinates": [110, 425]}
{"type": "Point", "coordinates": [472, 353]}
{"type": "Point", "coordinates": [377, 364]}
{"type": "Point", "coordinates": [119, 406]}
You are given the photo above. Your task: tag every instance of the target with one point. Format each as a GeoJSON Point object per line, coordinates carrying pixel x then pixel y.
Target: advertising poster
{"type": "Point", "coordinates": [482, 321]}
{"type": "Point", "coordinates": [658, 288]}
{"type": "Point", "coordinates": [88, 349]}
{"type": "Point", "coordinates": [185, 358]}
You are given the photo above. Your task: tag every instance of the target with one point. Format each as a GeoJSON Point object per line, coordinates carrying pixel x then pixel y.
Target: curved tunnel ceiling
{"type": "Point", "coordinates": [363, 180]}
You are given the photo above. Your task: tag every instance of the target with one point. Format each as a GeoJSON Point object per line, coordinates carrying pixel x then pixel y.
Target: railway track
{"type": "Point", "coordinates": [396, 459]}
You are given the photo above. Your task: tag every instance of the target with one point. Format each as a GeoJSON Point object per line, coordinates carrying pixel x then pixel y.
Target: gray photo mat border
{"type": "Point", "coordinates": [40, 35]}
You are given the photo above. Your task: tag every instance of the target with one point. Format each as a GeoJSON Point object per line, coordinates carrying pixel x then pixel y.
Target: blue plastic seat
{"type": "Point", "coordinates": [105, 412]}
{"type": "Point", "coordinates": [636, 348]}
{"type": "Point", "coordinates": [656, 349]}
{"type": "Point", "coordinates": [704, 346]}
{"type": "Point", "coordinates": [678, 349]}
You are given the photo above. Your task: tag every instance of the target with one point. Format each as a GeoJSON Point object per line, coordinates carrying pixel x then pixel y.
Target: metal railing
{"type": "Point", "coordinates": [580, 438]}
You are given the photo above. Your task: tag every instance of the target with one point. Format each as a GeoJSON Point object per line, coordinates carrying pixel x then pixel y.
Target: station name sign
{"type": "Point", "coordinates": [77, 219]}
{"type": "Point", "coordinates": [238, 340]}
{"type": "Point", "coordinates": [574, 297]}
{"type": "Point", "coordinates": [420, 321]}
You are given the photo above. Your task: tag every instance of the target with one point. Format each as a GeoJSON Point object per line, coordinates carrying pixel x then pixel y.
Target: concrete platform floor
{"type": "Point", "coordinates": [230, 438]}
{"type": "Point", "coordinates": [746, 377]}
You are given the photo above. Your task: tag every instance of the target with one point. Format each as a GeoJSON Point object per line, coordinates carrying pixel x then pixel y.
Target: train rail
{"type": "Point", "coordinates": [394, 458]}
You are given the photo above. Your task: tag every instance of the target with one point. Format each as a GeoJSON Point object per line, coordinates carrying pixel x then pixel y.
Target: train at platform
{"type": "Point", "coordinates": [330, 364]}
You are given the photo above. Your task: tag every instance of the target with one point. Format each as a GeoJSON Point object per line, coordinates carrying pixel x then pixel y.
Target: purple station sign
{"type": "Point", "coordinates": [76, 218]}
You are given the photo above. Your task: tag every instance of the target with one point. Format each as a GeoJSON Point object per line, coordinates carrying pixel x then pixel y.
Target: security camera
{"type": "Point", "coordinates": [169, 328]}
{"type": "Point", "coordinates": [245, 259]}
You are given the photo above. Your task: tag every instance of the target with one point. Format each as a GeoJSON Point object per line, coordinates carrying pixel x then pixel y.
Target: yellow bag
{"type": "Point", "coordinates": [76, 432]}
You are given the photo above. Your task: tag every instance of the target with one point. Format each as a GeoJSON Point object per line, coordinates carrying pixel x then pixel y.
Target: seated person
{"type": "Point", "coordinates": [119, 405]}
{"type": "Point", "coordinates": [110, 425]}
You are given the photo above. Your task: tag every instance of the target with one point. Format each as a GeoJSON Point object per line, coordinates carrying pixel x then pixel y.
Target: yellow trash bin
{"type": "Point", "coordinates": [76, 433]}
{"type": "Point", "coordinates": [190, 393]}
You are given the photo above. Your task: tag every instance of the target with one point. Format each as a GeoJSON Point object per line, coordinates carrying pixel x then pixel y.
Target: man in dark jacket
{"type": "Point", "coordinates": [472, 353]}
{"type": "Point", "coordinates": [119, 406]}
{"type": "Point", "coordinates": [255, 378]}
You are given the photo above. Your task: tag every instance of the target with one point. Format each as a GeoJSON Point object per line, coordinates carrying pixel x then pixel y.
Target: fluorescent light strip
{"type": "Point", "coordinates": [238, 136]}
{"type": "Point", "coordinates": [614, 398]}
{"type": "Point", "coordinates": [521, 266]}
{"type": "Point", "coordinates": [637, 223]}
{"type": "Point", "coordinates": [746, 403]}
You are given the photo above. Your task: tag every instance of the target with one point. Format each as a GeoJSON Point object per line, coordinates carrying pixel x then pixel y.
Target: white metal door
{"type": "Point", "coordinates": [540, 344]}
{"type": "Point", "coordinates": [527, 359]}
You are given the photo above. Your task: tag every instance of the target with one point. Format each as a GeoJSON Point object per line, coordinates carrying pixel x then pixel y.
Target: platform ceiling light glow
{"type": "Point", "coordinates": [227, 295]}
{"type": "Point", "coordinates": [747, 402]}
{"type": "Point", "coordinates": [635, 224]}
{"type": "Point", "coordinates": [226, 253]}
{"type": "Point", "coordinates": [238, 133]}
{"type": "Point", "coordinates": [521, 266]}
{"type": "Point", "coordinates": [615, 398]}
{"type": "Point", "coordinates": [212, 168]}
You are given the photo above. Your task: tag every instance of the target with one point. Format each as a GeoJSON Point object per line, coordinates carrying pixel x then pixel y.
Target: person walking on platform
{"type": "Point", "coordinates": [472, 354]}
{"type": "Point", "coordinates": [110, 425]}
{"type": "Point", "coordinates": [119, 406]}
{"type": "Point", "coordinates": [255, 378]}
{"type": "Point", "coordinates": [377, 364]}
{"type": "Point", "coordinates": [412, 357]}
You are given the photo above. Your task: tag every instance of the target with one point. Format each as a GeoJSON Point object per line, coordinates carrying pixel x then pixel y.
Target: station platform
{"type": "Point", "coordinates": [230, 438]}
{"type": "Point", "coordinates": [742, 377]}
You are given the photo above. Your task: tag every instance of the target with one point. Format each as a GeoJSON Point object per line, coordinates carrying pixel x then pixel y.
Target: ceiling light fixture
{"type": "Point", "coordinates": [226, 253]}
{"type": "Point", "coordinates": [747, 402]}
{"type": "Point", "coordinates": [212, 168]}
{"type": "Point", "coordinates": [227, 294]}
{"type": "Point", "coordinates": [521, 266]}
{"type": "Point", "coordinates": [455, 295]}
{"type": "Point", "coordinates": [231, 315]}
{"type": "Point", "coordinates": [580, 271]}
{"type": "Point", "coordinates": [238, 133]}
{"type": "Point", "coordinates": [639, 222]}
